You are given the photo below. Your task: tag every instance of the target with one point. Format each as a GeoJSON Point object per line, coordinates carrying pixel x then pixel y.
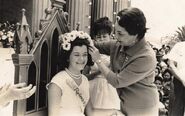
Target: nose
{"type": "Point", "coordinates": [101, 38]}
{"type": "Point", "coordinates": [82, 58]}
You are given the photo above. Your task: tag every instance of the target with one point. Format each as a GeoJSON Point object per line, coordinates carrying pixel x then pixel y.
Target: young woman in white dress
{"type": "Point", "coordinates": [68, 91]}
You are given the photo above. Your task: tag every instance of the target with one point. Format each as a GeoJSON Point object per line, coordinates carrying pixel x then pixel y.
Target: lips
{"type": "Point", "coordinates": [80, 63]}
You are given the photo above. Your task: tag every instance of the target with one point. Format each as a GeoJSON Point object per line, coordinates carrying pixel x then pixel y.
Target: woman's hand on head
{"type": "Point", "coordinates": [95, 54]}
{"type": "Point", "coordinates": [91, 42]}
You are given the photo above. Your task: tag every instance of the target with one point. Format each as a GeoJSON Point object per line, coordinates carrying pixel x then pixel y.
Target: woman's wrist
{"type": "Point", "coordinates": [4, 99]}
{"type": "Point", "coordinates": [98, 61]}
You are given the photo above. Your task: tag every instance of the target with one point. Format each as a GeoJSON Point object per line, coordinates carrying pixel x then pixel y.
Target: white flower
{"type": "Point", "coordinates": [66, 46]}
{"type": "Point", "coordinates": [4, 37]}
{"type": "Point", "coordinates": [67, 38]}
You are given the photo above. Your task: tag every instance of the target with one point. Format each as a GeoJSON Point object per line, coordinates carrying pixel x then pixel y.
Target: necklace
{"type": "Point", "coordinates": [73, 75]}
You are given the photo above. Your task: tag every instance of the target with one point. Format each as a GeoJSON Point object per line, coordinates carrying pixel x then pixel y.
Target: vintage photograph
{"type": "Point", "coordinates": [92, 58]}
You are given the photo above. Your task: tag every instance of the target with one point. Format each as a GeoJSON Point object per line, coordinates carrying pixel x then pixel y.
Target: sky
{"type": "Point", "coordinates": [163, 17]}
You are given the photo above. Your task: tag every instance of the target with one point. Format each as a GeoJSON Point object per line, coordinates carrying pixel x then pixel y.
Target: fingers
{"type": "Point", "coordinates": [93, 49]}
{"type": "Point", "coordinates": [20, 85]}
{"type": "Point", "coordinates": [25, 89]}
{"type": "Point", "coordinates": [30, 92]}
{"type": "Point", "coordinates": [26, 93]}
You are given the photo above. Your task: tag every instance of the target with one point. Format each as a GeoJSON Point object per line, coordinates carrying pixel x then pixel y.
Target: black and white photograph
{"type": "Point", "coordinates": [92, 58]}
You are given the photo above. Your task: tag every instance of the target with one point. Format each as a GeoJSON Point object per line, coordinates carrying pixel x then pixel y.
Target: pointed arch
{"type": "Point", "coordinates": [54, 52]}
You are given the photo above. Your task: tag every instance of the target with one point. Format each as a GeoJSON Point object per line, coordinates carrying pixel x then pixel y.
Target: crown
{"type": "Point", "coordinates": [67, 38]}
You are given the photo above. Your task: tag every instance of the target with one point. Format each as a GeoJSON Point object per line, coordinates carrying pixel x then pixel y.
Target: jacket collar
{"type": "Point", "coordinates": [135, 48]}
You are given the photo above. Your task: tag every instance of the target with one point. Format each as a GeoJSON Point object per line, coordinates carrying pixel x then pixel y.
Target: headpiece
{"type": "Point", "coordinates": [67, 38]}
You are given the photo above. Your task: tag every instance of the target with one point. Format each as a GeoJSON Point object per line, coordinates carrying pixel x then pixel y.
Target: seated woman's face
{"type": "Point", "coordinates": [78, 58]}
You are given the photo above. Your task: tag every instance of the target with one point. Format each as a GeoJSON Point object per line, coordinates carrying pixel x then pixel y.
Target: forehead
{"type": "Point", "coordinates": [79, 49]}
{"type": "Point", "coordinates": [102, 32]}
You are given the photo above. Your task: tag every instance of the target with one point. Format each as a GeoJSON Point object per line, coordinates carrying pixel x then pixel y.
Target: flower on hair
{"type": "Point", "coordinates": [66, 46]}
{"type": "Point", "coordinates": [67, 38]}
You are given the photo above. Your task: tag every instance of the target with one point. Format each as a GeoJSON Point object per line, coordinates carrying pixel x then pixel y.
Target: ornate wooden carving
{"type": "Point", "coordinates": [23, 40]}
{"type": "Point", "coordinates": [31, 55]}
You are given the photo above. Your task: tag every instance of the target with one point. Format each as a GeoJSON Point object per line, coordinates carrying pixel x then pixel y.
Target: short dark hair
{"type": "Point", "coordinates": [64, 55]}
{"type": "Point", "coordinates": [133, 20]}
{"type": "Point", "coordinates": [167, 71]}
{"type": "Point", "coordinates": [102, 24]}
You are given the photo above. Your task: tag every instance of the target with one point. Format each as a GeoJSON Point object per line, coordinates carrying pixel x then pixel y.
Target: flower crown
{"type": "Point", "coordinates": [67, 38]}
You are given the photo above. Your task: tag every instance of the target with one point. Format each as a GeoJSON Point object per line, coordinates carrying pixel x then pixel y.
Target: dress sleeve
{"type": "Point", "coordinates": [137, 70]}
{"type": "Point", "coordinates": [58, 81]}
{"type": "Point", "coordinates": [104, 47]}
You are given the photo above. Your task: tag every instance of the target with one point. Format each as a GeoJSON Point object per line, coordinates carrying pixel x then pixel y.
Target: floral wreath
{"type": "Point", "coordinates": [67, 38]}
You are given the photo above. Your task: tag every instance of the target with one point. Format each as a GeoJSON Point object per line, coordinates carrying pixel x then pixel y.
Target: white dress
{"type": "Point", "coordinates": [74, 98]}
{"type": "Point", "coordinates": [102, 94]}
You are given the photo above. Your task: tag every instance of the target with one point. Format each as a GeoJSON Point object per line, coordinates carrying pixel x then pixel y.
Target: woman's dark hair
{"type": "Point", "coordinates": [64, 55]}
{"type": "Point", "coordinates": [159, 78]}
{"type": "Point", "coordinates": [102, 24]}
{"type": "Point", "coordinates": [133, 20]}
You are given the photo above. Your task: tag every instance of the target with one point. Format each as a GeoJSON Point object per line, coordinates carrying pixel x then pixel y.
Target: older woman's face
{"type": "Point", "coordinates": [124, 37]}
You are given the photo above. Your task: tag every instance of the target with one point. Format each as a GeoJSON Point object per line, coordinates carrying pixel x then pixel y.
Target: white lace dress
{"type": "Point", "coordinates": [102, 94]}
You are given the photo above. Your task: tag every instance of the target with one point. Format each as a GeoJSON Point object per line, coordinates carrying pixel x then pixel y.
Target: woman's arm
{"type": "Point", "coordinates": [138, 69]}
{"type": "Point", "coordinates": [54, 98]}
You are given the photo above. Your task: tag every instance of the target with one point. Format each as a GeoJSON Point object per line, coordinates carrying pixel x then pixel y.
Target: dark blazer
{"type": "Point", "coordinates": [133, 73]}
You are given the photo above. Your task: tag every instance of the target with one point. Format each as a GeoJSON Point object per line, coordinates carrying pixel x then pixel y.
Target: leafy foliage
{"type": "Point", "coordinates": [181, 33]}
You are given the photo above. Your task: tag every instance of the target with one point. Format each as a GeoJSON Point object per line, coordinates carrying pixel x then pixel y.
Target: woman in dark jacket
{"type": "Point", "coordinates": [133, 64]}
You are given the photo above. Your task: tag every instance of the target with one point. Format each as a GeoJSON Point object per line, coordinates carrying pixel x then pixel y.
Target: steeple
{"type": "Point", "coordinates": [22, 38]}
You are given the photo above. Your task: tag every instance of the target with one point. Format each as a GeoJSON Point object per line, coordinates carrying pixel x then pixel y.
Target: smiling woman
{"type": "Point", "coordinates": [132, 62]}
{"type": "Point", "coordinates": [68, 91]}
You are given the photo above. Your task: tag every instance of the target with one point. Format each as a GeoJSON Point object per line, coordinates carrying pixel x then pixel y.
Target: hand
{"type": "Point", "coordinates": [18, 91]}
{"type": "Point", "coordinates": [91, 42]}
{"type": "Point", "coordinates": [94, 52]}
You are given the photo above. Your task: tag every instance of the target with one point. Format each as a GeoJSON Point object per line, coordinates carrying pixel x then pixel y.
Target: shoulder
{"type": "Point", "coordinates": [145, 59]}
{"type": "Point", "coordinates": [84, 78]}
{"type": "Point", "coordinates": [148, 52]}
{"type": "Point", "coordinates": [59, 79]}
{"type": "Point", "coordinates": [59, 75]}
